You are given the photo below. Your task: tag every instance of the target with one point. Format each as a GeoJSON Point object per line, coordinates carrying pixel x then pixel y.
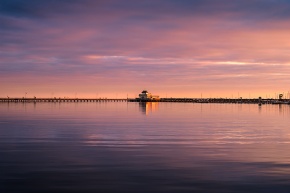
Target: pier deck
{"type": "Point", "coordinates": [180, 100]}
{"type": "Point", "coordinates": [60, 100]}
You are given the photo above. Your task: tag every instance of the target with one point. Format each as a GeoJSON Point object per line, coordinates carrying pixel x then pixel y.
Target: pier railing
{"type": "Point", "coordinates": [60, 100]}
{"type": "Point", "coordinates": [181, 100]}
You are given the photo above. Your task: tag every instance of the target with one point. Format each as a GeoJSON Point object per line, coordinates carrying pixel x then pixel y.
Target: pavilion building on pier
{"type": "Point", "coordinates": [146, 96]}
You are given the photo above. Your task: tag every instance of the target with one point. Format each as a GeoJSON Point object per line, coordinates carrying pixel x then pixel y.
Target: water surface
{"type": "Point", "coordinates": [144, 147]}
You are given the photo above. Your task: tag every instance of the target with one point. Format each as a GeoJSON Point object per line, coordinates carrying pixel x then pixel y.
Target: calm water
{"type": "Point", "coordinates": [132, 147]}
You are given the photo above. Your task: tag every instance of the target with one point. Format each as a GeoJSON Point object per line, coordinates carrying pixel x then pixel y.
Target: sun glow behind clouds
{"type": "Point", "coordinates": [240, 63]}
{"type": "Point", "coordinates": [181, 61]}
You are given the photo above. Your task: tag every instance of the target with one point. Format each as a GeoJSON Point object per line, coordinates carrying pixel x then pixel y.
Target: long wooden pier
{"type": "Point", "coordinates": [24, 100]}
{"type": "Point", "coordinates": [173, 100]}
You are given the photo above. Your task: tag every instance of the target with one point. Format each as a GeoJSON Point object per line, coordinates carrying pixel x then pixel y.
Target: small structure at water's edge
{"type": "Point", "coordinates": [146, 96]}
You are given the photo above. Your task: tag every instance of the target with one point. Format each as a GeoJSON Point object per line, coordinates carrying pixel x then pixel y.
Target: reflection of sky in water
{"type": "Point", "coordinates": [115, 146]}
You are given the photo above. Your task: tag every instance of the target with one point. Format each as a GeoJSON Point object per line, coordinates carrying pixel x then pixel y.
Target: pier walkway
{"type": "Point", "coordinates": [173, 100]}
{"type": "Point", "coordinates": [60, 100]}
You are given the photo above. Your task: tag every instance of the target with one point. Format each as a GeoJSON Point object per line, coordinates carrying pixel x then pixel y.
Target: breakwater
{"type": "Point", "coordinates": [217, 100]}
{"type": "Point", "coordinates": [226, 100]}
{"type": "Point", "coordinates": [181, 100]}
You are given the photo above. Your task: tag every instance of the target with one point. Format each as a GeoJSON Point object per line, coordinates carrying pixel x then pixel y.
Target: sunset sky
{"type": "Point", "coordinates": [115, 48]}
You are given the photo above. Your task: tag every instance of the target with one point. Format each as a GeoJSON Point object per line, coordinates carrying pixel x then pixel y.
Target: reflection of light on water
{"type": "Point", "coordinates": [148, 107]}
